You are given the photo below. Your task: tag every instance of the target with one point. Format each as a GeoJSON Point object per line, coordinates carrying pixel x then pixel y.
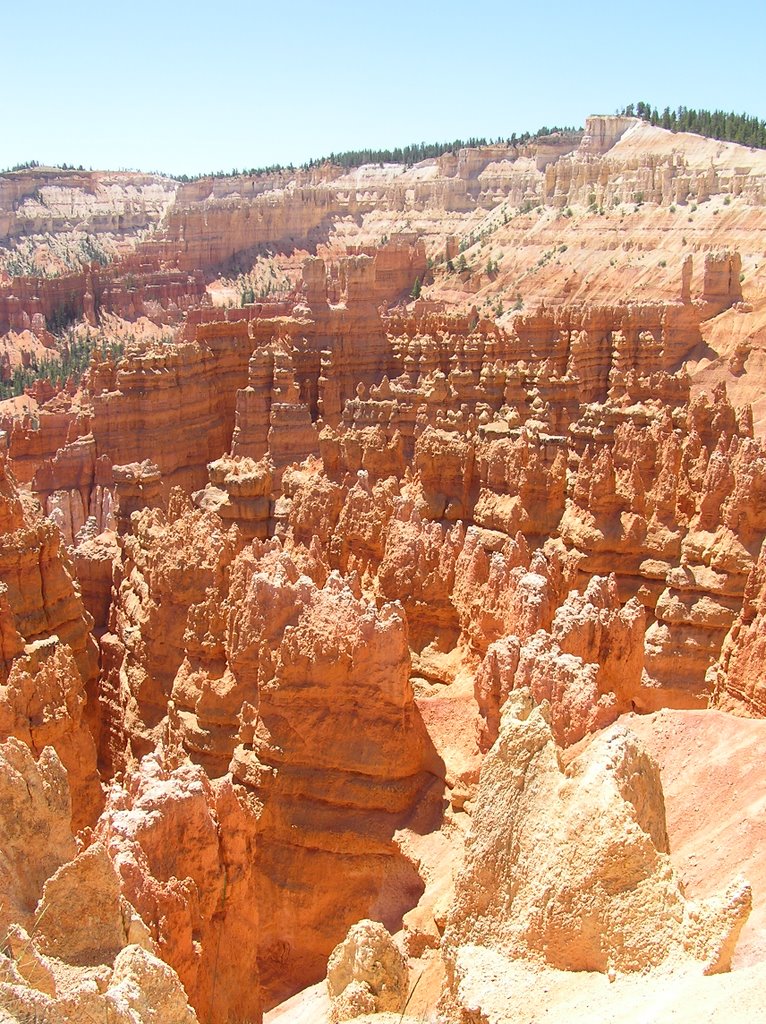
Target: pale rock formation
{"type": "Point", "coordinates": [67, 512]}
{"type": "Point", "coordinates": [73, 949]}
{"type": "Point", "coordinates": [602, 131]}
{"type": "Point", "coordinates": [567, 865]}
{"type": "Point", "coordinates": [81, 917]}
{"type": "Point", "coordinates": [144, 988]}
{"type": "Point", "coordinates": [35, 813]}
{"type": "Point", "coordinates": [73, 484]}
{"type": "Point", "coordinates": [138, 989]}
{"type": "Point", "coordinates": [366, 973]}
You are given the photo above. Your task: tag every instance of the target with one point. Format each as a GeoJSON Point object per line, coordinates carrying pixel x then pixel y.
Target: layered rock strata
{"type": "Point", "coordinates": [370, 582]}
{"type": "Point", "coordinates": [257, 669]}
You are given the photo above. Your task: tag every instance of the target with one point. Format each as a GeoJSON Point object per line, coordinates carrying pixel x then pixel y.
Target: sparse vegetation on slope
{"type": "Point", "coordinates": [71, 362]}
{"type": "Point", "coordinates": [408, 155]}
{"type": "Point", "coordinates": [716, 124]}
{"type": "Point", "coordinates": [54, 255]}
{"type": "Point", "coordinates": [265, 281]}
{"type": "Point", "coordinates": [31, 165]}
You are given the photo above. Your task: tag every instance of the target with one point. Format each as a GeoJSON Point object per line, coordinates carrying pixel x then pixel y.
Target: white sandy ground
{"type": "Point", "coordinates": [513, 993]}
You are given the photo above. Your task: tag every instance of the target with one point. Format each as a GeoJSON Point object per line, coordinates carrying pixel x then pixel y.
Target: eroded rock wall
{"type": "Point", "coordinates": [48, 677]}
{"type": "Point", "coordinates": [370, 582]}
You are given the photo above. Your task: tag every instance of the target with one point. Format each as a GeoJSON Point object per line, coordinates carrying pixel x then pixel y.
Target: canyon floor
{"type": "Point", "coordinates": [383, 589]}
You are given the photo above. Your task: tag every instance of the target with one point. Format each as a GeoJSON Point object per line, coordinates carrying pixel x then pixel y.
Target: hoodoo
{"type": "Point", "coordinates": [383, 587]}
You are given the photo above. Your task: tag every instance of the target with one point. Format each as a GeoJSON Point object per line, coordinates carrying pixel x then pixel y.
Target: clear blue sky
{"type": "Point", "coordinates": [192, 87]}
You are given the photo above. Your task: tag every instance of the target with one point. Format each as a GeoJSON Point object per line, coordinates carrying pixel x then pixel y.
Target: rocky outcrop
{"type": "Point", "coordinates": [418, 569]}
{"type": "Point", "coordinates": [34, 438]}
{"type": "Point", "coordinates": [366, 973]}
{"type": "Point", "coordinates": [74, 485]}
{"type": "Point", "coordinates": [371, 574]}
{"type": "Point", "coordinates": [737, 678]}
{"type": "Point", "coordinates": [502, 588]}
{"type": "Point", "coordinates": [240, 492]}
{"type": "Point", "coordinates": [35, 572]}
{"type": "Point", "coordinates": [172, 575]}
{"type": "Point", "coordinates": [130, 290]}
{"type": "Point", "coordinates": [339, 669]}
{"type": "Point", "coordinates": [94, 558]}
{"type": "Point", "coordinates": [48, 672]}
{"type": "Point", "coordinates": [73, 948]}
{"type": "Point", "coordinates": [42, 703]}
{"type": "Point", "coordinates": [601, 132]}
{"type": "Point", "coordinates": [598, 892]}
{"type": "Point", "coordinates": [624, 160]}
{"type": "Point", "coordinates": [587, 668]}
{"type": "Point", "coordinates": [258, 669]}
{"type": "Point", "coordinates": [183, 849]}
{"type": "Point", "coordinates": [49, 199]}
{"type": "Point", "coordinates": [164, 399]}
{"type": "Point", "coordinates": [36, 819]}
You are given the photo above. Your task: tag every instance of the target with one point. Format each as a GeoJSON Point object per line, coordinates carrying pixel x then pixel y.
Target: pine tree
{"type": "Point", "coordinates": [745, 129]}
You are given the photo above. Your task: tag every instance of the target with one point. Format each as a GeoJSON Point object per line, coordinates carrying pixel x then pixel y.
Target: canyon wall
{"type": "Point", "coordinates": [338, 606]}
